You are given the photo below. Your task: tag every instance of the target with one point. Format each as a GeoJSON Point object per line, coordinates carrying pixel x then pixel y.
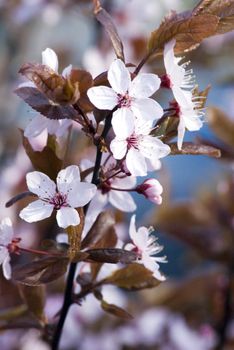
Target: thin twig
{"type": "Point", "coordinates": [68, 299]}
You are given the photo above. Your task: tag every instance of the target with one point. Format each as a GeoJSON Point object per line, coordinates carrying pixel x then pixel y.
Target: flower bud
{"type": "Point", "coordinates": [151, 189]}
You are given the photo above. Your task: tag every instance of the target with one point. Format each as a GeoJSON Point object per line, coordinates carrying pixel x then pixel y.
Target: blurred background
{"type": "Point", "coordinates": [193, 309]}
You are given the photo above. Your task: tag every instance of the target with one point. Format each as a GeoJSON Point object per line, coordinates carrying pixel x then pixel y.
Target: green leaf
{"type": "Point", "coordinates": [101, 234]}
{"type": "Point", "coordinates": [34, 298]}
{"type": "Point", "coordinates": [133, 277]}
{"type": "Point", "coordinates": [222, 125]}
{"type": "Point", "coordinates": [224, 9]}
{"type": "Point", "coordinates": [111, 255]}
{"type": "Point", "coordinates": [74, 236]}
{"type": "Point", "coordinates": [115, 310]}
{"type": "Point", "coordinates": [46, 160]}
{"type": "Point", "coordinates": [41, 271]}
{"type": "Point", "coordinates": [105, 19]}
{"type": "Point", "coordinates": [188, 30]}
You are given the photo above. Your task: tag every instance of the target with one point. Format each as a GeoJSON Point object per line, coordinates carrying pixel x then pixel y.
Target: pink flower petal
{"type": "Point", "coordinates": [50, 59]}
{"type": "Point", "coordinates": [67, 217]}
{"type": "Point", "coordinates": [40, 184]}
{"type": "Point", "coordinates": [103, 97]}
{"type": "Point", "coordinates": [119, 77]}
{"type": "Point", "coordinates": [80, 193]}
{"type": "Point", "coordinates": [118, 148]}
{"type": "Point", "coordinates": [36, 211]}
{"type": "Point", "coordinates": [123, 122]}
{"type": "Point", "coordinates": [146, 109]}
{"type": "Point", "coordinates": [144, 85]}
{"type": "Point", "coordinates": [122, 201]}
{"type": "Point", "coordinates": [135, 162]}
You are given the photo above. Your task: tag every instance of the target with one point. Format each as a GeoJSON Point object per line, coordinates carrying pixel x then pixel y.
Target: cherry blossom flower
{"type": "Point", "coordinates": [134, 142]}
{"type": "Point", "coordinates": [130, 98]}
{"type": "Point", "coordinates": [40, 123]}
{"type": "Point", "coordinates": [67, 194]}
{"type": "Point", "coordinates": [189, 118]}
{"type": "Point", "coordinates": [6, 235]}
{"type": "Point", "coordinates": [121, 200]}
{"type": "Point", "coordinates": [144, 243]}
{"type": "Point", "coordinates": [181, 82]}
{"type": "Point", "coordinates": [152, 190]}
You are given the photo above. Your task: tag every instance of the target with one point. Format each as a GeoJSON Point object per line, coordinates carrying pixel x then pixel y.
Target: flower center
{"type": "Point", "coordinates": [124, 100]}
{"type": "Point", "coordinates": [166, 81]}
{"type": "Point", "coordinates": [133, 141]}
{"type": "Point", "coordinates": [59, 200]}
{"type": "Point", "coordinates": [105, 187]}
{"type": "Point", "coordinates": [174, 105]}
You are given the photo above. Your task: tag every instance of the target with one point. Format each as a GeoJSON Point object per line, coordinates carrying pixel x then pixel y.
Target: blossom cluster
{"type": "Point", "coordinates": [133, 148]}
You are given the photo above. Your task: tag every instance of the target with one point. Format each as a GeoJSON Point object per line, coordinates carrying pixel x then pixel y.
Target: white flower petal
{"type": "Point", "coordinates": [49, 58]}
{"type": "Point", "coordinates": [67, 217]}
{"type": "Point", "coordinates": [6, 268]}
{"type": "Point", "coordinates": [103, 97]}
{"type": "Point", "coordinates": [126, 182]}
{"type": "Point", "coordinates": [132, 228]}
{"type": "Point", "coordinates": [135, 162]}
{"type": "Point", "coordinates": [67, 71]}
{"type": "Point", "coordinates": [52, 126]}
{"type": "Point", "coordinates": [144, 85]}
{"type": "Point", "coordinates": [40, 184]}
{"type": "Point", "coordinates": [27, 84]}
{"type": "Point", "coordinates": [118, 148]}
{"type": "Point", "coordinates": [182, 97]}
{"type": "Point", "coordinates": [80, 194]}
{"type": "Point", "coordinates": [153, 148]}
{"type": "Point", "coordinates": [66, 177]}
{"type": "Point", "coordinates": [97, 204]}
{"type": "Point", "coordinates": [122, 201]}
{"type": "Point", "coordinates": [63, 126]}
{"type": "Point", "coordinates": [3, 254]}
{"type": "Point", "coordinates": [169, 55]}
{"type": "Point", "coordinates": [153, 164]}
{"type": "Point", "coordinates": [129, 246]}
{"type": "Point", "coordinates": [181, 132]}
{"type": "Point", "coordinates": [174, 70]}
{"type": "Point", "coordinates": [6, 231]}
{"type": "Point", "coordinates": [157, 274]}
{"type": "Point", "coordinates": [123, 122]}
{"type": "Point", "coordinates": [193, 122]}
{"type": "Point", "coordinates": [146, 109]}
{"type": "Point", "coordinates": [36, 211]}
{"type": "Point", "coordinates": [149, 262]}
{"type": "Point", "coordinates": [119, 77]}
{"type": "Point", "coordinates": [36, 126]}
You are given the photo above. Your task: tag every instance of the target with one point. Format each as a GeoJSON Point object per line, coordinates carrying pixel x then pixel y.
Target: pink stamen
{"type": "Point", "coordinates": [166, 81]}
{"type": "Point", "coordinates": [59, 201]}
{"type": "Point", "coordinates": [124, 100]}
{"type": "Point", "coordinates": [133, 141]}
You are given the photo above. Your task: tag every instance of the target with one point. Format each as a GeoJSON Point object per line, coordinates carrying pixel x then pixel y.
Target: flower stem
{"type": "Point", "coordinates": [142, 63]}
{"type": "Point", "coordinates": [68, 300]}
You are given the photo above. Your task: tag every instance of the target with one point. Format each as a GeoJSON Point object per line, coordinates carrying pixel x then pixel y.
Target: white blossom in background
{"type": "Point", "coordinates": [67, 194]}
{"type": "Point", "coordinates": [40, 123]}
{"type": "Point", "coordinates": [134, 141]}
{"type": "Point", "coordinates": [121, 200]}
{"type": "Point", "coordinates": [53, 127]}
{"type": "Point", "coordinates": [145, 244]}
{"type": "Point", "coordinates": [6, 235]}
{"type": "Point", "coordinates": [181, 82]}
{"type": "Point", "coordinates": [130, 98]}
